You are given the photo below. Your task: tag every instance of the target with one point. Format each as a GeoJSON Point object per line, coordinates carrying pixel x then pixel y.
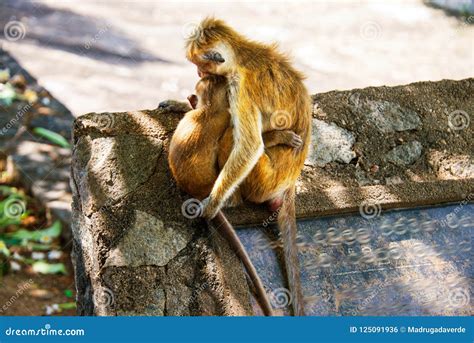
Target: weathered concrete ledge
{"type": "Point", "coordinates": [134, 251]}
{"type": "Point", "coordinates": [137, 253]}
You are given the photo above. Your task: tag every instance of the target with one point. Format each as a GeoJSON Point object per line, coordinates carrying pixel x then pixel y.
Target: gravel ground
{"type": "Point", "coordinates": [117, 55]}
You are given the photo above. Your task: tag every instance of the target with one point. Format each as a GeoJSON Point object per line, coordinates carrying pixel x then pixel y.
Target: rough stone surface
{"type": "Point", "coordinates": [122, 189]}
{"type": "Point", "coordinates": [339, 187]}
{"type": "Point", "coordinates": [149, 241]}
{"type": "Point", "coordinates": [388, 116]}
{"type": "Point", "coordinates": [451, 167]}
{"type": "Point", "coordinates": [111, 167]}
{"type": "Point", "coordinates": [134, 252]}
{"type": "Point", "coordinates": [405, 154]}
{"type": "Point", "coordinates": [330, 143]}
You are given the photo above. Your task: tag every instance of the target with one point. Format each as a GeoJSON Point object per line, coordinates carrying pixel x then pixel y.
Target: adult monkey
{"type": "Point", "coordinates": [265, 93]}
{"type": "Point", "coordinates": [194, 152]}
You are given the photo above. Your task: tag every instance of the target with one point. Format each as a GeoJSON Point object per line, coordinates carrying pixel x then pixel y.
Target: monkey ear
{"type": "Point", "coordinates": [214, 57]}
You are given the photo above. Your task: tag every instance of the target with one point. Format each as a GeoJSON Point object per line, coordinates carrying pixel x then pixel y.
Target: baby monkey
{"type": "Point", "coordinates": [195, 145]}
{"type": "Point", "coordinates": [196, 158]}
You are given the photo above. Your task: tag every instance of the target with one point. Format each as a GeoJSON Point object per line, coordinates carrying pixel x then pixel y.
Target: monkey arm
{"type": "Point", "coordinates": [284, 137]}
{"type": "Point", "coordinates": [248, 147]}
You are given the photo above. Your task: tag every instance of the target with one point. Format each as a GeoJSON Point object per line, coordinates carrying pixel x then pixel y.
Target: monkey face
{"type": "Point", "coordinates": [211, 89]}
{"type": "Point", "coordinates": [204, 89]}
{"type": "Point", "coordinates": [208, 63]}
{"type": "Point", "coordinates": [212, 59]}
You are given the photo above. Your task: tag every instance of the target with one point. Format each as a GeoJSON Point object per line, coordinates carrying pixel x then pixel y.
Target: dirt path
{"type": "Point", "coordinates": [118, 55]}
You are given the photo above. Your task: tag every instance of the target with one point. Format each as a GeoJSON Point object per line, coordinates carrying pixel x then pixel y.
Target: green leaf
{"type": "Point", "coordinates": [4, 221]}
{"type": "Point", "coordinates": [67, 306]}
{"type": "Point", "coordinates": [22, 234]}
{"type": "Point", "coordinates": [7, 190]}
{"type": "Point", "coordinates": [51, 232]}
{"type": "Point", "coordinates": [37, 246]}
{"type": "Point", "coordinates": [49, 268]}
{"type": "Point", "coordinates": [43, 236]}
{"type": "Point", "coordinates": [4, 75]}
{"type": "Point", "coordinates": [68, 293]}
{"type": "Point", "coordinates": [10, 241]}
{"type": "Point", "coordinates": [53, 137]}
{"type": "Point", "coordinates": [3, 248]}
{"type": "Point", "coordinates": [7, 94]}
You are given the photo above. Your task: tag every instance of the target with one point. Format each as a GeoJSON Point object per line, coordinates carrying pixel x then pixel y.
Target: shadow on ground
{"type": "Point", "coordinates": [68, 31]}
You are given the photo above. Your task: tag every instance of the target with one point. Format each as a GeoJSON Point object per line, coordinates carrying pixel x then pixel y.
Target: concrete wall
{"type": "Point", "coordinates": [137, 250]}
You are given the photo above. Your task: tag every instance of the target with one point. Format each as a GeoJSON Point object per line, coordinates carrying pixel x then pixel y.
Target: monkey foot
{"type": "Point", "coordinates": [275, 204]}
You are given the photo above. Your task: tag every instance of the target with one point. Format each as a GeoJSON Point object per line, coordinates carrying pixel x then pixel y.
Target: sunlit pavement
{"type": "Point", "coordinates": [118, 55]}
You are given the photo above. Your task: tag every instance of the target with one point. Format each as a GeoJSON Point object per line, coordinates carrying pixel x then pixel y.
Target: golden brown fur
{"type": "Point", "coordinates": [263, 82]}
{"type": "Point", "coordinates": [194, 145]}
{"type": "Point", "coordinates": [193, 158]}
{"type": "Point", "coordinates": [196, 142]}
{"type": "Point", "coordinates": [262, 86]}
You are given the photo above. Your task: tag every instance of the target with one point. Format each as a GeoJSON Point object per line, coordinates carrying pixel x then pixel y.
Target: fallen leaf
{"type": "Point", "coordinates": [4, 75]}
{"type": "Point", "coordinates": [53, 137]}
{"type": "Point", "coordinates": [30, 96]}
{"type": "Point", "coordinates": [49, 268]}
{"type": "Point", "coordinates": [7, 94]}
{"type": "Point", "coordinates": [43, 236]}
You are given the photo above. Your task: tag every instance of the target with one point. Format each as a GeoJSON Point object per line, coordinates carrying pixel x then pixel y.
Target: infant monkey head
{"type": "Point", "coordinates": [211, 91]}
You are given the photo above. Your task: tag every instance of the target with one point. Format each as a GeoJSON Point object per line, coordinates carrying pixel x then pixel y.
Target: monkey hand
{"type": "Point", "coordinates": [210, 208]}
{"type": "Point", "coordinates": [174, 106]}
{"type": "Point", "coordinates": [295, 140]}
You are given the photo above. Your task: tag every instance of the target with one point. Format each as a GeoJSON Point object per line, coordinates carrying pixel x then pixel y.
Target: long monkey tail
{"type": "Point", "coordinates": [288, 228]}
{"type": "Point", "coordinates": [222, 225]}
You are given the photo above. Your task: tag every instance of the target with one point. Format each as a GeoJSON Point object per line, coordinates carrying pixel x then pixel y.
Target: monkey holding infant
{"type": "Point", "coordinates": [246, 138]}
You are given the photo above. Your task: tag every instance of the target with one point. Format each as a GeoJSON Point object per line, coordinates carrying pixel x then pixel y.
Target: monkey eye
{"type": "Point", "coordinates": [213, 56]}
